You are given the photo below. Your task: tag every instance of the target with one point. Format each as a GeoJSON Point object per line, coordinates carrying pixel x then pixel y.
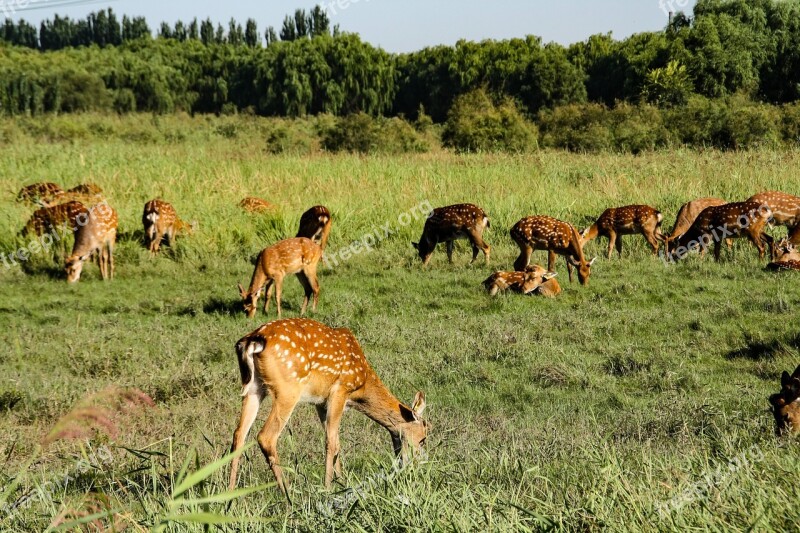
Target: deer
{"type": "Point", "coordinates": [555, 236]}
{"type": "Point", "coordinates": [161, 220]}
{"type": "Point", "coordinates": [298, 256]}
{"type": "Point", "coordinates": [687, 214]}
{"type": "Point", "coordinates": [447, 224]}
{"type": "Point", "coordinates": [734, 220]}
{"type": "Point", "coordinates": [786, 404]}
{"type": "Point", "coordinates": [91, 189]}
{"type": "Point", "coordinates": [627, 220]}
{"type": "Point", "coordinates": [301, 361]}
{"type": "Point", "coordinates": [315, 224]}
{"type": "Point", "coordinates": [548, 289]}
{"type": "Point", "coordinates": [251, 204]}
{"type": "Point", "coordinates": [785, 211]}
{"type": "Point", "coordinates": [521, 282]}
{"type": "Point", "coordinates": [33, 194]}
{"type": "Point", "coordinates": [69, 216]}
{"type": "Point", "coordinates": [786, 257]}
{"type": "Point", "coordinates": [98, 235]}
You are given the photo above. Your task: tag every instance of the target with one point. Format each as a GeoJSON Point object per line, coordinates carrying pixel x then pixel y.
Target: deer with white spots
{"type": "Point", "coordinates": [785, 211]}
{"type": "Point", "coordinates": [628, 220]}
{"type": "Point", "coordinates": [251, 204]}
{"type": "Point", "coordinates": [555, 236]}
{"type": "Point", "coordinates": [446, 224]}
{"type": "Point", "coordinates": [787, 257]}
{"type": "Point", "coordinates": [687, 215]}
{"type": "Point", "coordinates": [298, 256]}
{"type": "Point", "coordinates": [38, 192]}
{"type": "Point", "coordinates": [161, 220]}
{"type": "Point", "coordinates": [99, 234]}
{"type": "Point", "coordinates": [524, 282]}
{"type": "Point", "coordinates": [300, 361]}
{"type": "Point", "coordinates": [315, 224]}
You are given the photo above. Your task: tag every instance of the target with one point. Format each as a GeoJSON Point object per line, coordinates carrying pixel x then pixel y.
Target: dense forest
{"type": "Point", "coordinates": [748, 50]}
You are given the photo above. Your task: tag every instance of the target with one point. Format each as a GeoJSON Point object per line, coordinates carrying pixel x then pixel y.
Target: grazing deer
{"type": "Point", "coordinates": [446, 224]}
{"type": "Point", "coordinates": [303, 361]}
{"type": "Point", "coordinates": [548, 289]}
{"type": "Point", "coordinates": [555, 236]}
{"type": "Point", "coordinates": [161, 220]}
{"type": "Point", "coordinates": [786, 404]}
{"type": "Point", "coordinates": [33, 194]}
{"type": "Point", "coordinates": [522, 282]}
{"type": "Point", "coordinates": [298, 256]}
{"type": "Point", "coordinates": [252, 204]}
{"type": "Point", "coordinates": [787, 257]}
{"type": "Point", "coordinates": [785, 211]}
{"type": "Point", "coordinates": [735, 220]}
{"type": "Point", "coordinates": [90, 189]}
{"type": "Point", "coordinates": [315, 224]}
{"type": "Point", "coordinates": [687, 215]}
{"type": "Point", "coordinates": [68, 216]}
{"type": "Point", "coordinates": [628, 220]}
{"type": "Point", "coordinates": [98, 235]}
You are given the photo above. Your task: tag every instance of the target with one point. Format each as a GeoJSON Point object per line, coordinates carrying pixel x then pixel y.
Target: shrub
{"type": "Point", "coordinates": [292, 137]}
{"type": "Point", "coordinates": [476, 124]}
{"type": "Point", "coordinates": [638, 128]}
{"type": "Point", "coordinates": [701, 122]}
{"type": "Point", "coordinates": [752, 125]}
{"type": "Point", "coordinates": [577, 127]}
{"type": "Point", "coordinates": [790, 124]}
{"type": "Point", "coordinates": [360, 133]}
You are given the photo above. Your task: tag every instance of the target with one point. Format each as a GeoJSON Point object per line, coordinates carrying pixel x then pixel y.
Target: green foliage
{"type": "Point", "coordinates": [359, 133]}
{"type": "Point", "coordinates": [476, 124]}
{"type": "Point", "coordinates": [670, 85]}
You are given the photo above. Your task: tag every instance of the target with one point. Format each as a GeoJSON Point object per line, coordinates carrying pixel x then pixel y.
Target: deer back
{"type": "Point", "coordinates": [689, 212]}
{"type": "Point", "coordinates": [785, 207]}
{"type": "Point", "coordinates": [289, 256]}
{"type": "Point", "coordinates": [454, 220]}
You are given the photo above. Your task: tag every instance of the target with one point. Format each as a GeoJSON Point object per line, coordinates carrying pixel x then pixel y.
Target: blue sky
{"type": "Point", "coordinates": [402, 26]}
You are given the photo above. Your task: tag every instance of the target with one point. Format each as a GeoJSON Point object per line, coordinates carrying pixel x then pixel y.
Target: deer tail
{"type": "Point", "coordinates": [246, 349]}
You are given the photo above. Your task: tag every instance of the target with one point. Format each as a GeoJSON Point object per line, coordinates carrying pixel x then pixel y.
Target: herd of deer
{"type": "Point", "coordinates": [299, 361]}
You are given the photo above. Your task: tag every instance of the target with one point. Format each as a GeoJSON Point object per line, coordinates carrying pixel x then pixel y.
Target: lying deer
{"type": "Point", "coordinates": [86, 188]}
{"type": "Point", "coordinates": [33, 194]}
{"type": "Point", "coordinates": [315, 224]}
{"type": "Point", "coordinates": [98, 235]}
{"type": "Point", "coordinates": [298, 256]}
{"type": "Point", "coordinates": [555, 236]}
{"type": "Point", "coordinates": [735, 220]}
{"type": "Point", "coordinates": [786, 404]}
{"type": "Point", "coordinates": [252, 204]}
{"type": "Point", "coordinates": [785, 211]}
{"type": "Point", "coordinates": [446, 224]}
{"type": "Point", "coordinates": [687, 215]}
{"type": "Point", "coordinates": [521, 282]}
{"type": "Point", "coordinates": [302, 361]}
{"type": "Point", "coordinates": [628, 220]}
{"type": "Point", "coordinates": [548, 289]}
{"type": "Point", "coordinates": [786, 257]}
{"type": "Point", "coordinates": [161, 220]}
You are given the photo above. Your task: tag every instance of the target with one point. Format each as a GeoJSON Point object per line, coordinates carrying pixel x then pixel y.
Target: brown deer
{"type": "Point", "coordinates": [302, 361]}
{"type": "Point", "coordinates": [785, 211]}
{"type": "Point", "coordinates": [90, 189]}
{"type": "Point", "coordinates": [735, 220]}
{"type": "Point", "coordinates": [298, 256]}
{"type": "Point", "coordinates": [33, 194]}
{"type": "Point", "coordinates": [161, 220]}
{"type": "Point", "coordinates": [68, 216]}
{"type": "Point", "coordinates": [627, 220]}
{"type": "Point", "coordinates": [315, 224]}
{"type": "Point", "coordinates": [446, 224]}
{"type": "Point", "coordinates": [521, 282]}
{"type": "Point", "coordinates": [787, 257]}
{"type": "Point", "coordinates": [687, 215]}
{"type": "Point", "coordinates": [555, 236]}
{"type": "Point", "coordinates": [98, 235]}
{"type": "Point", "coordinates": [548, 289]}
{"type": "Point", "coordinates": [251, 204]}
{"type": "Point", "coordinates": [786, 404]}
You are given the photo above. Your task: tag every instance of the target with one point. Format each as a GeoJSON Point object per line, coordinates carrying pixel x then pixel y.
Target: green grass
{"type": "Point", "coordinates": [585, 412]}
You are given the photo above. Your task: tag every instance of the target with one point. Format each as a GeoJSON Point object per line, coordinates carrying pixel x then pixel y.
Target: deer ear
{"type": "Point", "coordinates": [777, 400]}
{"type": "Point", "coordinates": [550, 275]}
{"type": "Point", "coordinates": [418, 406]}
{"type": "Point", "coordinates": [242, 293]}
{"type": "Point", "coordinates": [592, 261]}
{"type": "Point", "coordinates": [785, 379]}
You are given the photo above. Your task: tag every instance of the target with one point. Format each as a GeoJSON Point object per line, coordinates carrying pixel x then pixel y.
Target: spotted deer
{"type": "Point", "coordinates": [521, 282]}
{"type": "Point", "coordinates": [548, 289]}
{"type": "Point", "coordinates": [300, 361]}
{"type": "Point", "coordinates": [67, 216]}
{"type": "Point", "coordinates": [447, 224]}
{"type": "Point", "coordinates": [785, 211]}
{"type": "Point", "coordinates": [555, 236]}
{"type": "Point", "coordinates": [786, 404]}
{"type": "Point", "coordinates": [251, 204]}
{"type": "Point", "coordinates": [298, 256]}
{"type": "Point", "coordinates": [160, 220]}
{"type": "Point", "coordinates": [33, 194]}
{"type": "Point", "coordinates": [787, 257]}
{"type": "Point", "coordinates": [627, 220]}
{"type": "Point", "coordinates": [315, 224]}
{"type": "Point", "coordinates": [98, 235]}
{"type": "Point", "coordinates": [687, 215]}
{"type": "Point", "coordinates": [734, 220]}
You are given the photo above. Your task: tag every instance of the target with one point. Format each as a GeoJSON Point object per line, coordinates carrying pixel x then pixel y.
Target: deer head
{"type": "Point", "coordinates": [786, 404]}
{"type": "Point", "coordinates": [584, 269]}
{"type": "Point", "coordinates": [249, 301]}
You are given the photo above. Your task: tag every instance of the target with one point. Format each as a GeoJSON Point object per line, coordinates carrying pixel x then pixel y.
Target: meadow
{"type": "Point", "coordinates": [636, 403]}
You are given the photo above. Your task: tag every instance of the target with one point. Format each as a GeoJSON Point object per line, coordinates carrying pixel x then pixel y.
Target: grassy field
{"type": "Point", "coordinates": [637, 403]}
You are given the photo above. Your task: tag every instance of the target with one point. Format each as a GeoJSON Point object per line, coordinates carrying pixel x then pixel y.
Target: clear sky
{"type": "Point", "coordinates": [398, 25]}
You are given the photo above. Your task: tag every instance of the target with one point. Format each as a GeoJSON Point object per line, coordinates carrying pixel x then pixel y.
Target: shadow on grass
{"type": "Point", "coordinates": [757, 349]}
{"type": "Point", "coordinates": [225, 307]}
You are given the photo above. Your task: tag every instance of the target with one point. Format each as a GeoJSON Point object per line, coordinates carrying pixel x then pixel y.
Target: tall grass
{"type": "Point", "coordinates": [597, 410]}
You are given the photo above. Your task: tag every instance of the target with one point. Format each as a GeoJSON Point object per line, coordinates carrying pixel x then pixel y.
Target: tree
{"type": "Point", "coordinates": [235, 33]}
{"type": "Point", "coordinates": [251, 36]}
{"type": "Point", "coordinates": [194, 32]}
{"type": "Point", "coordinates": [207, 32]}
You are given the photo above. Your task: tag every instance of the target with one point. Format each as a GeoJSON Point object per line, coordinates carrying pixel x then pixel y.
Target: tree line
{"type": "Point", "coordinates": [724, 48]}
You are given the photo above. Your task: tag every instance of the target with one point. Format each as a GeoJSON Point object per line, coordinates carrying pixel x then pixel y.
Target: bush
{"type": "Point", "coordinates": [700, 123]}
{"type": "Point", "coordinates": [638, 128]}
{"type": "Point", "coordinates": [476, 124]}
{"type": "Point", "coordinates": [752, 125]}
{"type": "Point", "coordinates": [292, 137]}
{"type": "Point", "coordinates": [790, 124]}
{"type": "Point", "coordinates": [360, 133]}
{"type": "Point", "coordinates": [577, 127]}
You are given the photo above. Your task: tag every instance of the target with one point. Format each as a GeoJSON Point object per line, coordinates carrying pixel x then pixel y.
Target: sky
{"type": "Point", "coordinates": [396, 25]}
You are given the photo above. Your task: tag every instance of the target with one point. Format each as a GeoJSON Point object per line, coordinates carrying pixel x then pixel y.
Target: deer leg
{"type": "Point", "coordinates": [333, 463]}
{"type": "Point", "coordinates": [268, 436]}
{"type": "Point", "coordinates": [651, 239]}
{"type": "Point", "coordinates": [268, 296]}
{"type": "Point", "coordinates": [479, 244]}
{"type": "Point", "coordinates": [311, 275]}
{"type": "Point", "coordinates": [525, 252]}
{"type": "Point", "coordinates": [612, 238]}
{"type": "Point", "coordinates": [111, 252]}
{"type": "Point", "coordinates": [794, 234]}
{"type": "Point", "coordinates": [717, 249]}
{"type": "Point", "coordinates": [250, 405]}
{"type": "Point", "coordinates": [450, 245]}
{"type": "Point", "coordinates": [278, 287]}
{"type": "Point", "coordinates": [301, 276]}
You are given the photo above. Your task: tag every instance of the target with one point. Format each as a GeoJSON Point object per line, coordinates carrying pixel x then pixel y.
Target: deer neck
{"type": "Point", "coordinates": [381, 406]}
{"type": "Point", "coordinates": [259, 278]}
